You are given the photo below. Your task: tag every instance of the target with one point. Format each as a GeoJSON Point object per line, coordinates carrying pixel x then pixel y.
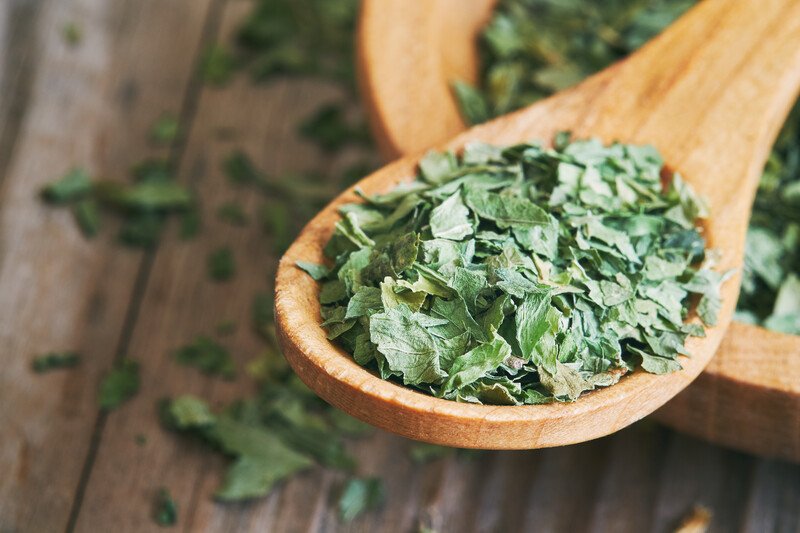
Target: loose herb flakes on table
{"type": "Point", "coordinates": [221, 264]}
{"type": "Point", "coordinates": [165, 510]}
{"type": "Point", "coordinates": [208, 356]}
{"type": "Point", "coordinates": [143, 205]}
{"type": "Point", "coordinates": [521, 275]}
{"type": "Point", "coordinates": [360, 495]}
{"type": "Point", "coordinates": [55, 361]}
{"type": "Point", "coordinates": [120, 385]}
{"type": "Point", "coordinates": [533, 48]}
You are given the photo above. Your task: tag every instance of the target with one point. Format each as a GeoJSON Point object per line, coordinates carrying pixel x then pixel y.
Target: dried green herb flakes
{"type": "Point", "coordinates": [54, 361]}
{"type": "Point", "coordinates": [521, 275]}
{"type": "Point", "coordinates": [532, 48]}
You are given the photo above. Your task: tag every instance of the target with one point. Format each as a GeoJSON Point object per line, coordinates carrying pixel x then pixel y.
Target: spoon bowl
{"type": "Point", "coordinates": [710, 93]}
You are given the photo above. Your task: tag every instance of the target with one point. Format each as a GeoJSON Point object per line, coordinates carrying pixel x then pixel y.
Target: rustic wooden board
{"type": "Point", "coordinates": [61, 292]}
{"type": "Point", "coordinates": [60, 106]}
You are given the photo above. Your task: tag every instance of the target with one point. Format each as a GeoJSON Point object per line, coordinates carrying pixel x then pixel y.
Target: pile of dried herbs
{"type": "Point", "coordinates": [533, 48]}
{"type": "Point", "coordinates": [521, 275]}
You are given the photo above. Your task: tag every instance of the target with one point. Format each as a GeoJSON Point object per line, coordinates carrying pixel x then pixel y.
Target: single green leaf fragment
{"type": "Point", "coordinates": [360, 495]}
{"type": "Point", "coordinates": [221, 264]}
{"type": "Point", "coordinates": [72, 33]}
{"type": "Point", "coordinates": [165, 510]}
{"type": "Point", "coordinates": [233, 213]}
{"type": "Point", "coordinates": [75, 185]}
{"type": "Point", "coordinates": [55, 361]}
{"type": "Point", "coordinates": [120, 384]}
{"type": "Point", "coordinates": [208, 356]}
{"type": "Point", "coordinates": [165, 130]}
{"type": "Point", "coordinates": [189, 411]}
{"type": "Point", "coordinates": [87, 215]}
{"type": "Point", "coordinates": [217, 65]}
{"type": "Point", "coordinates": [261, 459]}
{"type": "Point", "coordinates": [316, 271]}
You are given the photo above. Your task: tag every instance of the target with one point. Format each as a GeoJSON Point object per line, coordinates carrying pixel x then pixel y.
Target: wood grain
{"type": "Point", "coordinates": [729, 392]}
{"type": "Point", "coordinates": [180, 302]}
{"type": "Point", "coordinates": [643, 478]}
{"type": "Point", "coordinates": [711, 93]}
{"type": "Point", "coordinates": [90, 105]}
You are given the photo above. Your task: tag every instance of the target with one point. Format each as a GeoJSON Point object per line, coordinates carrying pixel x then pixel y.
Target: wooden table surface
{"type": "Point", "coordinates": [64, 465]}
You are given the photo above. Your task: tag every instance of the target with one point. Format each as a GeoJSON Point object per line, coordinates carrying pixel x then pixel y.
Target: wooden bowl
{"type": "Point", "coordinates": [747, 398]}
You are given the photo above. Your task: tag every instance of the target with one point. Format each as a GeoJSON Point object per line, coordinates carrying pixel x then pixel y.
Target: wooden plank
{"type": "Point", "coordinates": [90, 105]}
{"type": "Point", "coordinates": [693, 473]}
{"type": "Point", "coordinates": [774, 498]}
{"type": "Point", "coordinates": [607, 485]}
{"type": "Point", "coordinates": [180, 302]}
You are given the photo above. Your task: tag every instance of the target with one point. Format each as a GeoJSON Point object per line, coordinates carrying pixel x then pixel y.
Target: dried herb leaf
{"type": "Point", "coordinates": [165, 510]}
{"type": "Point", "coordinates": [55, 361]}
{"type": "Point", "coordinates": [520, 275]}
{"type": "Point", "coordinates": [75, 185]}
{"type": "Point", "coordinates": [209, 356]}
{"type": "Point", "coordinates": [120, 384]}
{"type": "Point", "coordinates": [221, 264]}
{"type": "Point", "coordinates": [165, 130]}
{"type": "Point", "coordinates": [360, 495]}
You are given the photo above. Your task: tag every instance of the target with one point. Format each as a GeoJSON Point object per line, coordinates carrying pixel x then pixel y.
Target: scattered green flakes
{"type": "Point", "coordinates": [188, 412]}
{"type": "Point", "coordinates": [226, 328]}
{"type": "Point", "coordinates": [533, 48]}
{"type": "Point", "coordinates": [120, 384]}
{"type": "Point", "coordinates": [55, 361]}
{"type": "Point", "coordinates": [191, 222]}
{"type": "Point", "coordinates": [165, 130]}
{"type": "Point", "coordinates": [87, 215]}
{"type": "Point", "coordinates": [360, 495]}
{"type": "Point", "coordinates": [261, 458]}
{"type": "Point", "coordinates": [208, 356]}
{"type": "Point", "coordinates": [142, 230]}
{"type": "Point", "coordinates": [165, 510]}
{"type": "Point", "coordinates": [153, 170]}
{"type": "Point", "coordinates": [276, 220]}
{"type": "Point", "coordinates": [263, 314]}
{"type": "Point", "coordinates": [300, 37]}
{"type": "Point", "coordinates": [240, 170]}
{"type": "Point", "coordinates": [75, 185]}
{"type": "Point", "coordinates": [267, 367]}
{"type": "Point", "coordinates": [520, 275]}
{"type": "Point", "coordinates": [331, 129]}
{"type": "Point", "coordinates": [145, 195]}
{"type": "Point", "coordinates": [217, 65]}
{"type": "Point", "coordinates": [141, 439]}
{"type": "Point", "coordinates": [770, 290]}
{"type": "Point", "coordinates": [72, 34]}
{"type": "Point", "coordinates": [221, 264]}
{"type": "Point", "coordinates": [233, 214]}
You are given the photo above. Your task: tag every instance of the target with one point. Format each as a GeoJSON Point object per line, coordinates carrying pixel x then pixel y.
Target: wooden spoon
{"type": "Point", "coordinates": [710, 93]}
{"type": "Point", "coordinates": [749, 395]}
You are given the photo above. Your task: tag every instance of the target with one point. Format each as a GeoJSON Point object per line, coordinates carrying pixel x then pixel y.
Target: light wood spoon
{"type": "Point", "coordinates": [747, 398]}
{"type": "Point", "coordinates": [711, 93]}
